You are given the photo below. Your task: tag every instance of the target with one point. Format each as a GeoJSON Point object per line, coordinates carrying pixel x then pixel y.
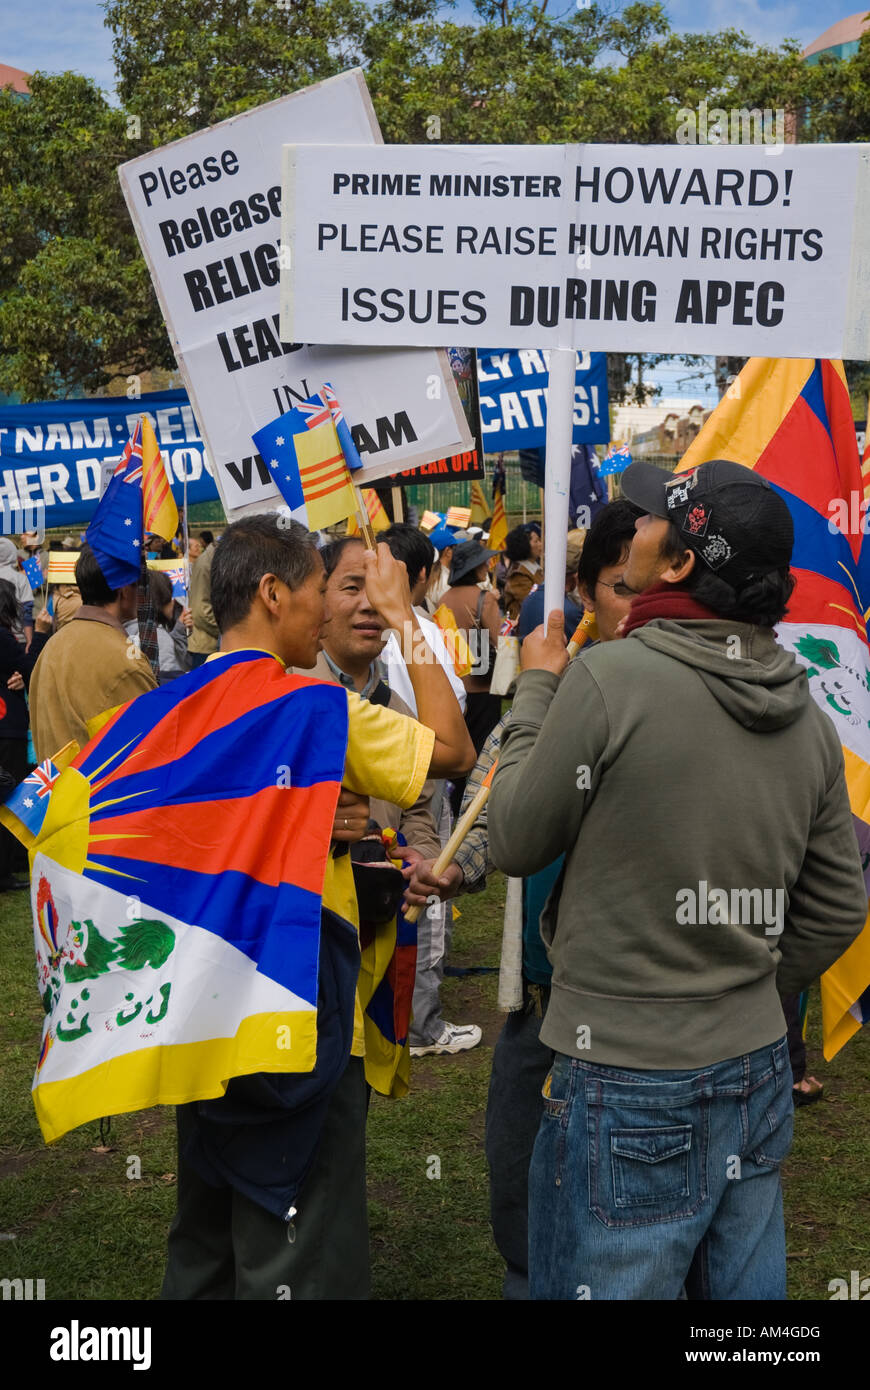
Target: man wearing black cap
{"type": "Point", "coordinates": [698, 795]}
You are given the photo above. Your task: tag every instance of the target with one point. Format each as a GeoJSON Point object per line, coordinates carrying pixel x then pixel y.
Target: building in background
{"type": "Point", "coordinates": [841, 40]}
{"type": "Point", "coordinates": [16, 79]}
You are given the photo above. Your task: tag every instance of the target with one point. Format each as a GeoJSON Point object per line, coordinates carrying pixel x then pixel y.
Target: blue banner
{"type": "Point", "coordinates": [55, 455]}
{"type": "Point", "coordinates": [513, 398]}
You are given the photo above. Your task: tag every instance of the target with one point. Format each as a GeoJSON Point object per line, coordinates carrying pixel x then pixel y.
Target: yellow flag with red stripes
{"type": "Point", "coordinates": [374, 510]}
{"type": "Point", "coordinates": [159, 510]}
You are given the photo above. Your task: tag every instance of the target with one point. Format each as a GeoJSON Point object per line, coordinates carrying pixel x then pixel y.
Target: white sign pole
{"type": "Point", "coordinates": [557, 475]}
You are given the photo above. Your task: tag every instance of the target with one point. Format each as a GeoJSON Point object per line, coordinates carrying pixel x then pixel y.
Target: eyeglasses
{"type": "Point", "coordinates": [620, 588]}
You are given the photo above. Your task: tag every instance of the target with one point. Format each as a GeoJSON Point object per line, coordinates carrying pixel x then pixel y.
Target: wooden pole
{"type": "Point", "coordinates": [362, 517]}
{"type": "Point", "coordinates": [398, 506]}
{"type": "Point", "coordinates": [460, 830]}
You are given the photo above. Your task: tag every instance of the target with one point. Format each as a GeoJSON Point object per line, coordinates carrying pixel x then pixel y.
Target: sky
{"type": "Point", "coordinates": [60, 34]}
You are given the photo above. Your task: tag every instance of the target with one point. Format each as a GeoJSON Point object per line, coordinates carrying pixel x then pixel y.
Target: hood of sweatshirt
{"type": "Point", "coordinates": [760, 684]}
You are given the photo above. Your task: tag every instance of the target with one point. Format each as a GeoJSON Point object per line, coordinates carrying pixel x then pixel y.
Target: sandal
{"type": "Point", "coordinates": [815, 1091]}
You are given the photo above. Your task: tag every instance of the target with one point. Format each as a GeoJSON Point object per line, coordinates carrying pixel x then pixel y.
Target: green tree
{"type": "Point", "coordinates": [76, 303]}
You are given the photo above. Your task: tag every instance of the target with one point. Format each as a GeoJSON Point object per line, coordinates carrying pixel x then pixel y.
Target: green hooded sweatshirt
{"type": "Point", "coordinates": [698, 794]}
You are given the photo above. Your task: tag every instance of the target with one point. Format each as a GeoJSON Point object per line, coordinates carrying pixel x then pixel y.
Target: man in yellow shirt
{"type": "Point", "coordinates": [267, 590]}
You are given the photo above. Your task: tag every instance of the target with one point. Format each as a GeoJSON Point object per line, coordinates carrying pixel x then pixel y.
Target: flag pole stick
{"type": "Point", "coordinates": [365, 525]}
{"type": "Point", "coordinates": [398, 507]}
{"type": "Point", "coordinates": [185, 539]}
{"type": "Point", "coordinates": [461, 829]}
{"type": "Point", "coordinates": [557, 474]}
{"type": "Point", "coordinates": [585, 629]}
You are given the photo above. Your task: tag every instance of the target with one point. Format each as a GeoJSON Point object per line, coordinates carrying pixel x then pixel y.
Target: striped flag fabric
{"type": "Point", "coordinates": [479, 506]}
{"type": "Point", "coordinates": [138, 500]}
{"type": "Point", "coordinates": [159, 509]}
{"type": "Point", "coordinates": [454, 639]}
{"type": "Point", "coordinates": [310, 453]}
{"type": "Point", "coordinates": [176, 892]}
{"type": "Point", "coordinates": [375, 512]}
{"type": "Point", "coordinates": [62, 566]}
{"type": "Point", "coordinates": [791, 420]}
{"type": "Point", "coordinates": [498, 529]}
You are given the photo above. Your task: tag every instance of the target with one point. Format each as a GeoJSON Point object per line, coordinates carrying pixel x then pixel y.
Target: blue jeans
{"type": "Point", "coordinates": [643, 1183]}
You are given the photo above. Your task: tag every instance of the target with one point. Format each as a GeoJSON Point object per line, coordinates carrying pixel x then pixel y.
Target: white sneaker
{"type": "Point", "coordinates": [455, 1038]}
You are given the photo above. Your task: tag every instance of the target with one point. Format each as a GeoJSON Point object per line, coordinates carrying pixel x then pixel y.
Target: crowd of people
{"type": "Point", "coordinates": [643, 1084]}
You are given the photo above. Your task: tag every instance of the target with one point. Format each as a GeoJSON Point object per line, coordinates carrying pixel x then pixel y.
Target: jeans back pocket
{"type": "Point", "coordinates": [650, 1165]}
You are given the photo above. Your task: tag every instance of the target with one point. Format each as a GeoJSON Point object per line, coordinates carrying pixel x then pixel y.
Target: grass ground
{"type": "Point", "coordinates": [93, 1232]}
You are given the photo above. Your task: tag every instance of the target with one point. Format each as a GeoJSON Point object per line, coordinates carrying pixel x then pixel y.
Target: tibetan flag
{"type": "Point", "coordinates": [160, 511]}
{"type": "Point", "coordinates": [33, 572]}
{"type": "Point", "coordinates": [498, 529]}
{"type": "Point", "coordinates": [62, 566]}
{"type": "Point", "coordinates": [176, 892]}
{"type": "Point", "coordinates": [304, 450]}
{"type": "Point", "coordinates": [24, 811]}
{"type": "Point", "coordinates": [115, 532]}
{"type": "Point", "coordinates": [791, 420]}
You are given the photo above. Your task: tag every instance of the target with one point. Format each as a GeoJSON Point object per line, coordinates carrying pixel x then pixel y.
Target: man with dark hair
{"type": "Point", "coordinates": [698, 795]}
{"type": "Point", "coordinates": [89, 666]}
{"type": "Point", "coordinates": [520, 1062]}
{"type": "Point", "coordinates": [227, 1239]}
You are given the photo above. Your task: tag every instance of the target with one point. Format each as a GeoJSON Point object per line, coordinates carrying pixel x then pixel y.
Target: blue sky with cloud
{"type": "Point", "coordinates": [59, 34]}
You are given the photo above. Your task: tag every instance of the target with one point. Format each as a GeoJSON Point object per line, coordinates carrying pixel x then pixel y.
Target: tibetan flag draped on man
{"type": "Point", "coordinates": [138, 500]}
{"type": "Point", "coordinates": [309, 452]}
{"type": "Point", "coordinates": [176, 891]}
{"type": "Point", "coordinates": [791, 420]}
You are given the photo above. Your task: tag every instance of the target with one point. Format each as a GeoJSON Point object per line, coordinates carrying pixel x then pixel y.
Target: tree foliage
{"type": "Point", "coordinates": [76, 305]}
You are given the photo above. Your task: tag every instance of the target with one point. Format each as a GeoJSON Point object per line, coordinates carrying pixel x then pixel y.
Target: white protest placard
{"type": "Point", "coordinates": [207, 213]}
{"type": "Point", "coordinates": [713, 249]}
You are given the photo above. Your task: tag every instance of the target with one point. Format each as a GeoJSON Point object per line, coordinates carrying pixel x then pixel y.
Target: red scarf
{"type": "Point", "coordinates": [664, 601]}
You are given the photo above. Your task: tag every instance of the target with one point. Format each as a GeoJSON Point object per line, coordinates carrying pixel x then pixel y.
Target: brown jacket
{"type": "Point", "coordinates": [86, 668]}
{"type": "Point", "coordinates": [205, 635]}
{"type": "Point", "coordinates": [520, 583]}
{"type": "Point", "coordinates": [417, 824]}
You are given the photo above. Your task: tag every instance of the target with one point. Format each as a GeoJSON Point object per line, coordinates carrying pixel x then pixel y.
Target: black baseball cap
{"type": "Point", "coordinates": [727, 514]}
